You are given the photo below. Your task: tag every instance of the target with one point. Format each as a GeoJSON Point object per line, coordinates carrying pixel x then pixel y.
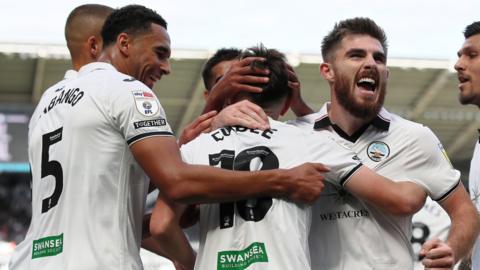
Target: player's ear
{"type": "Point", "coordinates": [123, 43]}
{"type": "Point", "coordinates": [94, 47]}
{"type": "Point", "coordinates": [327, 72]}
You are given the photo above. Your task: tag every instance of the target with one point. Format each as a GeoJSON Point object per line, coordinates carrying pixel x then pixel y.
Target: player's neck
{"type": "Point", "coordinates": [345, 120]}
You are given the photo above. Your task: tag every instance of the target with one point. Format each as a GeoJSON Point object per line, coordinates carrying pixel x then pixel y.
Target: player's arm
{"type": "Point", "coordinates": [169, 238]}
{"type": "Point", "coordinates": [159, 156]}
{"type": "Point", "coordinates": [397, 198]}
{"type": "Point", "coordinates": [297, 104]}
{"type": "Point", "coordinates": [430, 166]}
{"type": "Point", "coordinates": [239, 77]}
{"type": "Point", "coordinates": [464, 229]}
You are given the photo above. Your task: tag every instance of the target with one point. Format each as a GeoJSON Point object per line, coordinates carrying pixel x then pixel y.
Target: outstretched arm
{"type": "Point", "coordinates": [463, 232]}
{"type": "Point", "coordinates": [397, 198]}
{"type": "Point", "coordinates": [160, 158]}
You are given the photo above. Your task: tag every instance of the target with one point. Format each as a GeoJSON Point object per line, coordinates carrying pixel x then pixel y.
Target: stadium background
{"type": "Point", "coordinates": [422, 84]}
{"type": "Point", "coordinates": [423, 90]}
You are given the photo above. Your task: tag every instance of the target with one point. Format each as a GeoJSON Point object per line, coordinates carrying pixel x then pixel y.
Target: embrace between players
{"type": "Point", "coordinates": [254, 209]}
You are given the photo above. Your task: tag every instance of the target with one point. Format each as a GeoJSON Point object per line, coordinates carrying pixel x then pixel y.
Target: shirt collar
{"type": "Point", "coordinates": [94, 66]}
{"type": "Point", "coordinates": [381, 121]}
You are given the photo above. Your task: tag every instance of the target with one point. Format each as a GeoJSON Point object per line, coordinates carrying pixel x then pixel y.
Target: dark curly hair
{"type": "Point", "coordinates": [224, 54]}
{"type": "Point", "coordinates": [131, 19]}
{"type": "Point", "coordinates": [277, 86]}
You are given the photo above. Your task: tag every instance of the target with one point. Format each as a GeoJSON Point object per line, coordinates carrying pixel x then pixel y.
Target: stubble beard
{"type": "Point", "coordinates": [349, 103]}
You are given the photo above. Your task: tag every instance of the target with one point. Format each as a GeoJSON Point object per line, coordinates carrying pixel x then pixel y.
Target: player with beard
{"type": "Point", "coordinates": [355, 55]}
{"type": "Point", "coordinates": [218, 148]}
{"type": "Point", "coordinates": [359, 236]}
{"type": "Point", "coordinates": [468, 70]}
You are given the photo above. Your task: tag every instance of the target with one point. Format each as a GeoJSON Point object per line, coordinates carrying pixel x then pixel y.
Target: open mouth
{"type": "Point", "coordinates": [462, 78]}
{"type": "Point", "coordinates": [368, 84]}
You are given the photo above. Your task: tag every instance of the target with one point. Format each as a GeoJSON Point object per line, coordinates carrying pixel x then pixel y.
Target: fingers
{"type": "Point", "coordinates": [294, 85]}
{"type": "Point", "coordinates": [201, 124]}
{"type": "Point", "coordinates": [437, 255]}
{"type": "Point", "coordinates": [205, 116]}
{"type": "Point", "coordinates": [428, 245]}
{"type": "Point", "coordinates": [321, 167]}
{"type": "Point", "coordinates": [292, 76]}
{"type": "Point", "coordinates": [255, 113]}
{"type": "Point", "coordinates": [251, 79]}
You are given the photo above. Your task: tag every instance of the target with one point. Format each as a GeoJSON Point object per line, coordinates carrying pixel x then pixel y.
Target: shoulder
{"type": "Point", "coordinates": [410, 128]}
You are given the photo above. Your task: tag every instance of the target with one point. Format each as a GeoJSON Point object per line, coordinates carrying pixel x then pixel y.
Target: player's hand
{"type": "Point", "coordinates": [179, 266]}
{"type": "Point", "coordinates": [192, 130]}
{"type": "Point", "coordinates": [241, 76]}
{"type": "Point", "coordinates": [243, 113]}
{"type": "Point", "coordinates": [437, 255]}
{"type": "Point", "coordinates": [307, 182]}
{"type": "Point", "coordinates": [298, 106]}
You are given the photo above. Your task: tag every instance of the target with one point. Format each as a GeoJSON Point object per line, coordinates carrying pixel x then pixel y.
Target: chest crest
{"type": "Point", "coordinates": [378, 151]}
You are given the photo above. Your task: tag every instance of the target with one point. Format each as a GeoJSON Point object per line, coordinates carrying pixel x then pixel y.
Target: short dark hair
{"type": "Point", "coordinates": [277, 86]}
{"type": "Point", "coordinates": [223, 54]}
{"type": "Point", "coordinates": [82, 14]}
{"type": "Point", "coordinates": [472, 29]}
{"type": "Point", "coordinates": [362, 26]}
{"type": "Point", "coordinates": [131, 19]}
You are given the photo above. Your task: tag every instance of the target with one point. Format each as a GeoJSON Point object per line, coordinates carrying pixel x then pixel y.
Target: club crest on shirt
{"type": "Point", "coordinates": [378, 151]}
{"type": "Point", "coordinates": [146, 102]}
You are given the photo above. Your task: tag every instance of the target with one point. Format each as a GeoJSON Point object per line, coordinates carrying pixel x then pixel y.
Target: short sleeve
{"type": "Point", "coordinates": [325, 149]}
{"type": "Point", "coordinates": [188, 151]}
{"type": "Point", "coordinates": [428, 165]}
{"type": "Point", "coordinates": [137, 112]}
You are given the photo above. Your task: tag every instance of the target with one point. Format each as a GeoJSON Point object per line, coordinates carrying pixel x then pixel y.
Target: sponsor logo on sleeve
{"type": "Point", "coordinates": [47, 246]}
{"type": "Point", "coordinates": [146, 102]}
{"type": "Point", "coordinates": [378, 151]}
{"type": "Point", "coordinates": [241, 259]}
{"type": "Point", "coordinates": [444, 153]}
{"type": "Point", "coordinates": [150, 123]}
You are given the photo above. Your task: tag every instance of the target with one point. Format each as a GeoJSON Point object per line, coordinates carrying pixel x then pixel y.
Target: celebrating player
{"type": "Point", "coordinates": [92, 140]}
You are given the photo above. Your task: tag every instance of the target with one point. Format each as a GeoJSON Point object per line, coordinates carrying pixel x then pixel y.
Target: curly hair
{"type": "Point", "coordinates": [131, 19]}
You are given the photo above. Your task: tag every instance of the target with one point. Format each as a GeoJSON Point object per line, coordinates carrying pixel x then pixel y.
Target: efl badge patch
{"type": "Point", "coordinates": [378, 151]}
{"type": "Point", "coordinates": [146, 102]}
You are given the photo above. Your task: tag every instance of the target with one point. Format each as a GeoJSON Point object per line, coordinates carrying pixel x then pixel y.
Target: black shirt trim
{"type": "Point", "coordinates": [378, 122]}
{"type": "Point", "coordinates": [448, 192]}
{"type": "Point", "coordinates": [149, 134]}
{"type": "Point", "coordinates": [344, 179]}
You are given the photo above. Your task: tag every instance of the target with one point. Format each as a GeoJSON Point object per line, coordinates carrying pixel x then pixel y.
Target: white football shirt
{"type": "Point", "coordinates": [430, 222]}
{"type": "Point", "coordinates": [348, 233]}
{"type": "Point", "coordinates": [88, 192]}
{"type": "Point", "coordinates": [261, 233]}
{"type": "Point", "coordinates": [474, 187]}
